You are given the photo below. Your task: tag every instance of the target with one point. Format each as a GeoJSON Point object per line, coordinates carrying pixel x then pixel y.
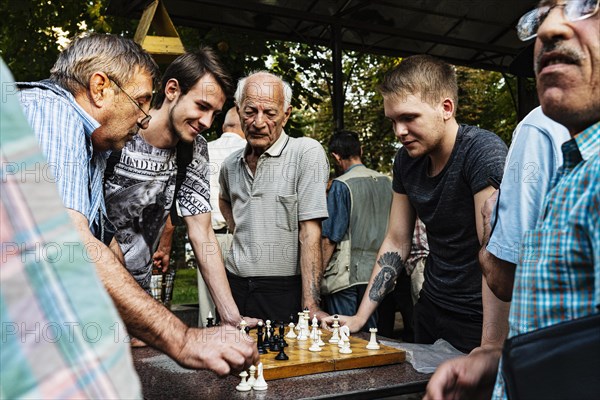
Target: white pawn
{"type": "Point", "coordinates": [243, 386]}
{"type": "Point", "coordinates": [291, 334]}
{"type": "Point", "coordinates": [320, 341]}
{"type": "Point", "coordinates": [372, 345]}
{"type": "Point", "coordinates": [243, 325]}
{"type": "Point", "coordinates": [260, 383]}
{"type": "Point", "coordinates": [335, 336]}
{"type": "Point", "coordinates": [252, 378]}
{"type": "Point", "coordinates": [315, 345]}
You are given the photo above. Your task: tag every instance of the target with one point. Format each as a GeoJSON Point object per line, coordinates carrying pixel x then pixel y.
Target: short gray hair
{"type": "Point", "coordinates": [116, 56]}
{"type": "Point", "coordinates": [241, 86]}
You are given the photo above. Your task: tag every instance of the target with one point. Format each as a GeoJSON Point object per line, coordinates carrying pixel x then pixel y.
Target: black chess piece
{"type": "Point", "coordinates": [282, 334]}
{"type": "Point", "coordinates": [274, 344]}
{"type": "Point", "coordinates": [259, 343]}
{"type": "Point", "coordinates": [209, 322]}
{"type": "Point", "coordinates": [281, 356]}
{"type": "Point", "coordinates": [247, 329]}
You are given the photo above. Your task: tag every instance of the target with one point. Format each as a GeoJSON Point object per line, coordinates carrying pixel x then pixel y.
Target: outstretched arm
{"type": "Point", "coordinates": [208, 255]}
{"type": "Point", "coordinates": [390, 259]}
{"type": "Point", "coordinates": [149, 321]}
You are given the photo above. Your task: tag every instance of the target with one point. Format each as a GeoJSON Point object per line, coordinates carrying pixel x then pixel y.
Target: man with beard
{"type": "Point", "coordinates": [141, 187]}
{"type": "Point", "coordinates": [557, 277]}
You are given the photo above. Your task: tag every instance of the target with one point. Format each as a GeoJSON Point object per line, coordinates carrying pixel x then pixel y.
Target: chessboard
{"type": "Point", "coordinates": [304, 362]}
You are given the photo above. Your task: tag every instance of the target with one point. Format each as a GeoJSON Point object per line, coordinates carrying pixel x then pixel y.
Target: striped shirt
{"type": "Point", "coordinates": [558, 276]}
{"type": "Point", "coordinates": [287, 187]}
{"type": "Point", "coordinates": [61, 335]}
{"type": "Point", "coordinates": [64, 132]}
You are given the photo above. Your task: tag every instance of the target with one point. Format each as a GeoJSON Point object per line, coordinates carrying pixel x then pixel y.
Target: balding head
{"type": "Point", "coordinates": [232, 123]}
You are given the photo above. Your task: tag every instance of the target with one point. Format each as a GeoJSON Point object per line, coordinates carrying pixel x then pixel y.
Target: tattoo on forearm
{"type": "Point", "coordinates": [384, 281]}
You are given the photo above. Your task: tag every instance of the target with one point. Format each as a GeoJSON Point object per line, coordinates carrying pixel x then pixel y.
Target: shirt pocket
{"type": "Point", "coordinates": [287, 212]}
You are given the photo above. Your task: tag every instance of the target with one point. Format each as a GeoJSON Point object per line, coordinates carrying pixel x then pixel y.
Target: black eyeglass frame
{"type": "Point", "coordinates": [147, 117]}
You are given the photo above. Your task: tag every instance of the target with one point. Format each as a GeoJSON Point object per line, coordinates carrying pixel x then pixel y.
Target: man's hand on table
{"type": "Point", "coordinates": [222, 349]}
{"type": "Point", "coordinates": [468, 377]}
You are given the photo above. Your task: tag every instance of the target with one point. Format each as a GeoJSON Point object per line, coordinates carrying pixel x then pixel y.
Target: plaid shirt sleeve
{"type": "Point", "coordinates": [61, 335]}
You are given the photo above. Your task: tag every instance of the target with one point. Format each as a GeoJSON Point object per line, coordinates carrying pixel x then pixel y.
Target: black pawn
{"type": "Point", "coordinates": [281, 356]}
{"type": "Point", "coordinates": [209, 322]}
{"type": "Point", "coordinates": [274, 345]}
{"type": "Point", "coordinates": [247, 329]}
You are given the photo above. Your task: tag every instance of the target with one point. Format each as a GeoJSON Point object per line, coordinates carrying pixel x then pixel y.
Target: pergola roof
{"type": "Point", "coordinates": [474, 33]}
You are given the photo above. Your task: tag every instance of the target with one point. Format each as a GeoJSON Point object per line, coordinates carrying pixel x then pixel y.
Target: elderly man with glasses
{"type": "Point", "coordinates": [557, 278]}
{"type": "Point", "coordinates": [81, 114]}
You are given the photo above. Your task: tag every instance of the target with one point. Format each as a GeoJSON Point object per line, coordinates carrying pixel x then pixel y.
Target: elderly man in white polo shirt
{"type": "Point", "coordinates": [273, 198]}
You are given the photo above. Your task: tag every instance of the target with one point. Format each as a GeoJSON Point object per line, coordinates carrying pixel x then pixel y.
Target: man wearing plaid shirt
{"type": "Point", "coordinates": [558, 276]}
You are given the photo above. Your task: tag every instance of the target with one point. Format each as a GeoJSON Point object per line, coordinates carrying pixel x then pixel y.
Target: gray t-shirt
{"type": "Point", "coordinates": [287, 187]}
{"type": "Point", "coordinates": [139, 195]}
{"type": "Point", "coordinates": [445, 204]}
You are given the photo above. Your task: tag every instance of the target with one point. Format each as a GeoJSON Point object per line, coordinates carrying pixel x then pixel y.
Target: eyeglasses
{"type": "Point", "coordinates": [574, 10]}
{"type": "Point", "coordinates": [144, 122]}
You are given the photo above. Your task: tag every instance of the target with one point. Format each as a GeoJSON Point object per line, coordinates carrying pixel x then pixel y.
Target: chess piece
{"type": "Point", "coordinates": [372, 345]}
{"type": "Point", "coordinates": [335, 336]}
{"type": "Point", "coordinates": [281, 335]}
{"type": "Point", "coordinates": [243, 325]}
{"type": "Point", "coordinates": [281, 356]}
{"type": "Point", "coordinates": [274, 343]}
{"type": "Point", "coordinates": [243, 386]}
{"type": "Point", "coordinates": [251, 377]}
{"type": "Point", "coordinates": [268, 329]}
{"type": "Point", "coordinates": [259, 343]}
{"type": "Point", "coordinates": [314, 327]}
{"type": "Point", "coordinates": [344, 336]}
{"type": "Point", "coordinates": [260, 383]}
{"type": "Point", "coordinates": [210, 320]}
{"type": "Point", "coordinates": [314, 346]}
{"type": "Point", "coordinates": [320, 341]}
{"type": "Point", "coordinates": [346, 348]}
{"type": "Point", "coordinates": [291, 334]}
{"type": "Point", "coordinates": [300, 321]}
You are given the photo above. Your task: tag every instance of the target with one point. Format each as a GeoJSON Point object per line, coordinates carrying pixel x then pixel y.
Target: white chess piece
{"type": "Point", "coordinates": [300, 320]}
{"type": "Point", "coordinates": [243, 325]}
{"type": "Point", "coordinates": [315, 345]}
{"type": "Point", "coordinates": [291, 334]}
{"type": "Point", "coordinates": [314, 327]}
{"type": "Point", "coordinates": [260, 383]}
{"type": "Point", "coordinates": [372, 345]}
{"type": "Point", "coordinates": [344, 336]}
{"type": "Point", "coordinates": [320, 341]}
{"type": "Point", "coordinates": [346, 348]}
{"type": "Point", "coordinates": [335, 336]}
{"type": "Point", "coordinates": [268, 329]}
{"type": "Point", "coordinates": [243, 386]}
{"type": "Point", "coordinates": [252, 378]}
